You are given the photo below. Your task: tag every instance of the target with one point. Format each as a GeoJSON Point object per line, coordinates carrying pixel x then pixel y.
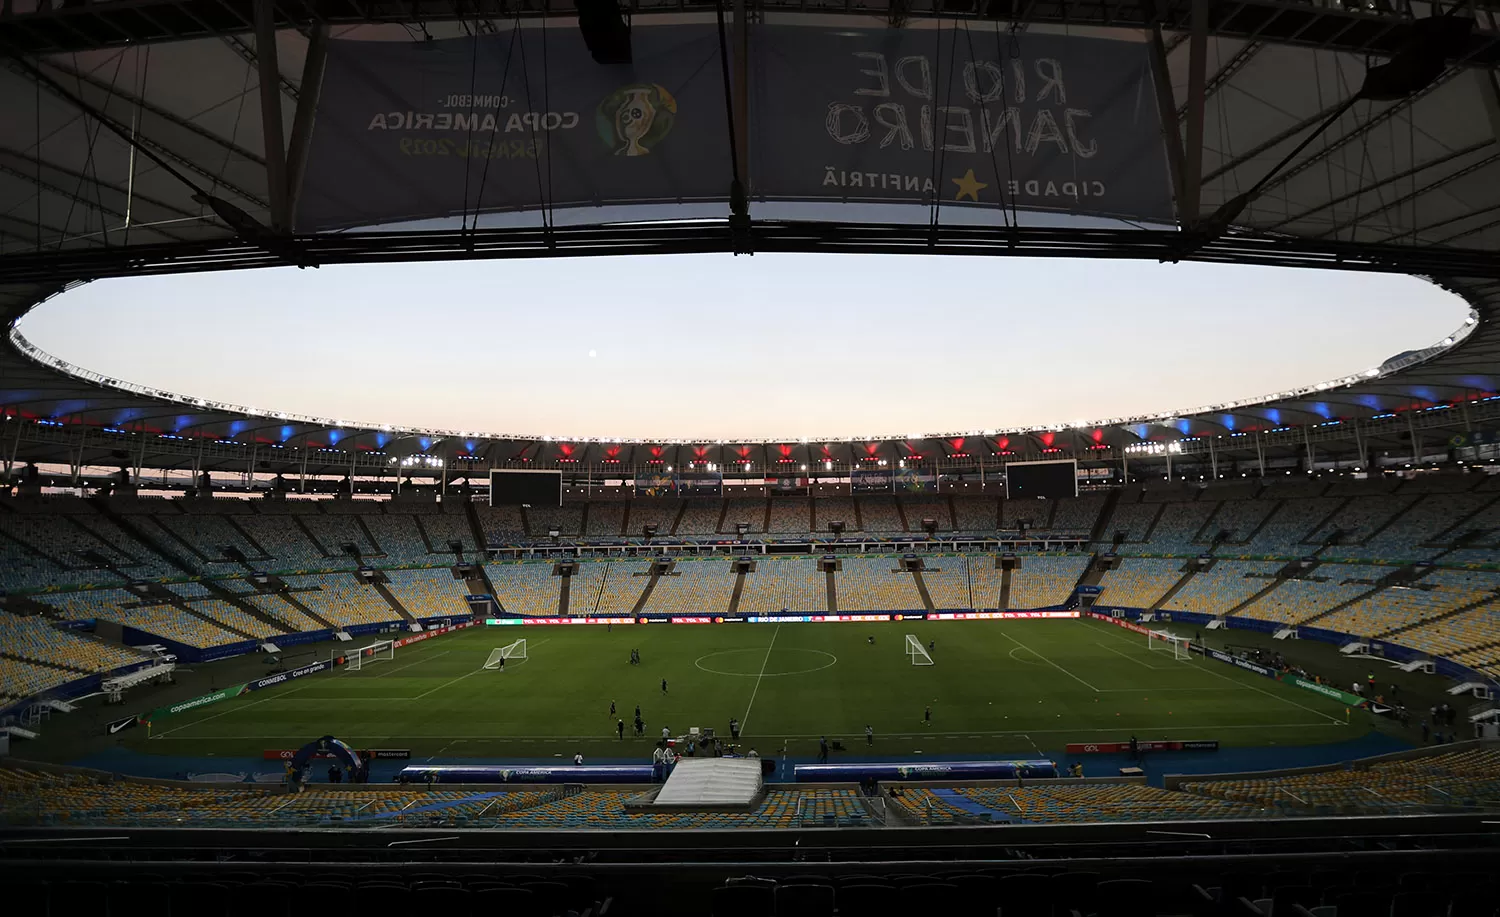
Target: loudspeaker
{"type": "Point", "coordinates": [605, 31]}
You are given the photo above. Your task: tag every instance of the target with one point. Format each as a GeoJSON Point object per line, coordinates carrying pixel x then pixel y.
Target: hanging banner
{"type": "Point", "coordinates": [410, 130]}
{"type": "Point", "coordinates": [700, 483]}
{"type": "Point", "coordinates": [968, 114]}
{"type": "Point", "coordinates": [870, 482]}
{"type": "Point", "coordinates": [914, 481]}
{"type": "Point", "coordinates": [655, 485]}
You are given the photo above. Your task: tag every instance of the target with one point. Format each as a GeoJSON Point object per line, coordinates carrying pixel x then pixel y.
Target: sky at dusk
{"type": "Point", "coordinates": [712, 346]}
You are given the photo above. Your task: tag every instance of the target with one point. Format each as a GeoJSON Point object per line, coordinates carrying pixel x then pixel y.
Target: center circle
{"type": "Point", "coordinates": [755, 658]}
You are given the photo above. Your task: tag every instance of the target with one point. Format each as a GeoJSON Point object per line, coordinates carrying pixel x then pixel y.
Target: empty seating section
{"type": "Point", "coordinates": [919, 510]}
{"type": "Point", "coordinates": [1045, 581]}
{"type": "Point", "coordinates": [1237, 520]}
{"type": "Point", "coordinates": [790, 516]}
{"type": "Point", "coordinates": [1072, 515]}
{"type": "Point", "coordinates": [1223, 586]}
{"type": "Point", "coordinates": [780, 808]}
{"type": "Point", "coordinates": [793, 583]}
{"type": "Point", "coordinates": [444, 527]}
{"type": "Point", "coordinates": [1296, 600]}
{"type": "Point", "coordinates": [1285, 533]}
{"type": "Point", "coordinates": [750, 512]}
{"type": "Point", "coordinates": [1438, 593]}
{"type": "Point", "coordinates": [694, 587]}
{"type": "Point", "coordinates": [398, 538]}
{"type": "Point", "coordinates": [880, 515]}
{"type": "Point", "coordinates": [1177, 528]}
{"type": "Point", "coordinates": [208, 536]}
{"type": "Point", "coordinates": [283, 540]}
{"type": "Point", "coordinates": [583, 591]}
{"type": "Point", "coordinates": [947, 579]}
{"type": "Point", "coordinates": [65, 544]}
{"type": "Point", "coordinates": [1139, 583]}
{"type": "Point", "coordinates": [233, 618]}
{"type": "Point", "coordinates": [985, 579]}
{"type": "Point", "coordinates": [836, 509]}
{"type": "Point", "coordinates": [1293, 488]}
{"type": "Point", "coordinates": [1449, 483]}
{"type": "Point", "coordinates": [342, 599]}
{"type": "Point", "coordinates": [869, 584]}
{"type": "Point", "coordinates": [1361, 517]}
{"type": "Point", "coordinates": [976, 515]}
{"type": "Point", "coordinates": [20, 679]}
{"type": "Point", "coordinates": [1462, 637]}
{"type": "Point", "coordinates": [660, 513]}
{"type": "Point", "coordinates": [530, 588]}
{"type": "Point", "coordinates": [278, 610]}
{"type": "Point", "coordinates": [501, 524]}
{"type": "Point", "coordinates": [334, 533]}
{"type": "Point", "coordinates": [1440, 781]}
{"type": "Point", "coordinates": [1422, 524]}
{"type": "Point", "coordinates": [567, 520]}
{"type": "Point", "coordinates": [606, 519]}
{"type": "Point", "coordinates": [162, 620]}
{"type": "Point", "coordinates": [623, 583]}
{"type": "Point", "coordinates": [1133, 520]}
{"type": "Point", "coordinates": [427, 593]}
{"type": "Point", "coordinates": [143, 561]}
{"type": "Point", "coordinates": [701, 517]}
{"type": "Point", "coordinates": [36, 639]}
{"type": "Point", "coordinates": [1063, 802]}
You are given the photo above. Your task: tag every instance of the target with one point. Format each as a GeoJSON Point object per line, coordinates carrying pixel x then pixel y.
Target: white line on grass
{"type": "Point", "coordinates": [409, 664]}
{"type": "Point", "coordinates": [1048, 661]}
{"type": "Point", "coordinates": [233, 709]}
{"type": "Point", "coordinates": [763, 663]}
{"type": "Point", "coordinates": [1219, 675]}
{"type": "Point", "coordinates": [1121, 730]}
{"type": "Point", "coordinates": [1126, 656]}
{"type": "Point", "coordinates": [475, 672]}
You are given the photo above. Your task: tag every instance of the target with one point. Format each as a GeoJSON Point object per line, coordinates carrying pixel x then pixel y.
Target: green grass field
{"type": "Point", "coordinates": [1003, 687]}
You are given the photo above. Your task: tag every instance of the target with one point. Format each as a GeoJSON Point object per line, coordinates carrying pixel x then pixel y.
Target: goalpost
{"type": "Point", "coordinates": [515, 650]}
{"type": "Point", "coordinates": [917, 651]}
{"type": "Point", "coordinates": [384, 651]}
{"type": "Point", "coordinates": [1160, 640]}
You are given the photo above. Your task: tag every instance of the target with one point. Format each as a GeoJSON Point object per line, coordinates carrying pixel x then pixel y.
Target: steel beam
{"type": "Point", "coordinates": [1170, 126]}
{"type": "Point", "coordinates": [313, 67]}
{"type": "Point", "coordinates": [273, 137]}
{"type": "Point", "coordinates": [1189, 210]}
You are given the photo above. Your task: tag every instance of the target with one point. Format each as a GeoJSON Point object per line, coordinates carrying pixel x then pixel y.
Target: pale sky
{"type": "Point", "coordinates": [712, 346]}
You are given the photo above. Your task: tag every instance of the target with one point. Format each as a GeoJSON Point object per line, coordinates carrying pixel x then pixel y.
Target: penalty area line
{"type": "Point", "coordinates": [1048, 661]}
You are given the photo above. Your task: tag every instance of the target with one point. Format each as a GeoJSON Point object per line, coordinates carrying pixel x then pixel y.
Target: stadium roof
{"type": "Point", "coordinates": [133, 142]}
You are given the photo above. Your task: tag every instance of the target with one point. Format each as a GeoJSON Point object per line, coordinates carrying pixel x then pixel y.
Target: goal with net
{"type": "Point", "coordinates": [498, 656]}
{"type": "Point", "coordinates": [1161, 641]}
{"type": "Point", "coordinates": [384, 651]}
{"type": "Point", "coordinates": [917, 651]}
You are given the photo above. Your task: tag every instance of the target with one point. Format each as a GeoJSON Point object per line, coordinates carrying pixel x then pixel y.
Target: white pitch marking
{"type": "Point", "coordinates": [1126, 656]}
{"type": "Point", "coordinates": [774, 634]}
{"type": "Point", "coordinates": [1048, 661]}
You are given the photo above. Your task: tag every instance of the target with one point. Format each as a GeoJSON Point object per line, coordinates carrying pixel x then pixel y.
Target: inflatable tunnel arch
{"type": "Point", "coordinates": [327, 746]}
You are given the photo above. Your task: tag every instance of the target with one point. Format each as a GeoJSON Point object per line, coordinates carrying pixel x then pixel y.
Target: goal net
{"type": "Point", "coordinates": [1161, 641]}
{"type": "Point", "coordinates": [515, 650]}
{"type": "Point", "coordinates": [384, 651]}
{"type": "Point", "coordinates": [917, 651]}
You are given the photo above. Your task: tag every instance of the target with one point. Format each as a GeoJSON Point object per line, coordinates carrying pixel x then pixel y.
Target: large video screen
{"type": "Point", "coordinates": [1030, 480]}
{"type": "Point", "coordinates": [529, 488]}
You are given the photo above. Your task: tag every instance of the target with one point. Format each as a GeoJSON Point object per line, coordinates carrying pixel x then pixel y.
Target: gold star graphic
{"type": "Point", "coordinates": [968, 186]}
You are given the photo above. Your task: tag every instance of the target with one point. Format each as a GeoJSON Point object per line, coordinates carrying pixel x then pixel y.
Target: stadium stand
{"type": "Point", "coordinates": [1061, 802]}
{"type": "Point", "coordinates": [1138, 583]}
{"type": "Point", "coordinates": [660, 513]}
{"type": "Point", "coordinates": [880, 515]}
{"type": "Point", "coordinates": [1076, 515]}
{"type": "Point", "coordinates": [793, 583]}
{"type": "Point", "coordinates": [936, 510]}
{"type": "Point", "coordinates": [948, 580]}
{"type": "Point", "coordinates": [36, 639]}
{"type": "Point", "coordinates": [1045, 581]}
{"type": "Point", "coordinates": [528, 588]}
{"type": "Point", "coordinates": [694, 587]}
{"type": "Point", "coordinates": [836, 509]}
{"type": "Point", "coordinates": [1133, 520]}
{"type": "Point", "coordinates": [501, 524]}
{"type": "Point", "coordinates": [985, 580]}
{"type": "Point", "coordinates": [701, 517]}
{"type": "Point", "coordinates": [868, 584]}
{"type": "Point", "coordinates": [1361, 517]}
{"type": "Point", "coordinates": [1434, 595]}
{"type": "Point", "coordinates": [1177, 528]}
{"type": "Point", "coordinates": [1297, 600]}
{"type": "Point", "coordinates": [1223, 586]}
{"type": "Point", "coordinates": [566, 519]}
{"type": "Point", "coordinates": [1456, 779]}
{"type": "Point", "coordinates": [398, 537]}
{"type": "Point", "coordinates": [334, 532]}
{"type": "Point", "coordinates": [1285, 532]}
{"type": "Point", "coordinates": [790, 516]}
{"type": "Point", "coordinates": [1237, 519]}
{"type": "Point", "coordinates": [977, 515]}
{"type": "Point", "coordinates": [446, 526]}
{"type": "Point", "coordinates": [427, 593]}
{"type": "Point", "coordinates": [606, 519]}
{"type": "Point", "coordinates": [341, 599]}
{"type": "Point", "coordinates": [624, 581]}
{"type": "Point", "coordinates": [121, 607]}
{"type": "Point", "coordinates": [750, 512]}
{"type": "Point", "coordinates": [281, 538]}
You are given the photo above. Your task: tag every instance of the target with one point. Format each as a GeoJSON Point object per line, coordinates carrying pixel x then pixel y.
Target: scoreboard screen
{"type": "Point", "coordinates": [530, 488]}
{"type": "Point", "coordinates": [1030, 480]}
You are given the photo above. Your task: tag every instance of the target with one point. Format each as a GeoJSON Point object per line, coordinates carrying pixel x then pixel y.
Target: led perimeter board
{"type": "Point", "coordinates": [1030, 480]}
{"type": "Point", "coordinates": [531, 488]}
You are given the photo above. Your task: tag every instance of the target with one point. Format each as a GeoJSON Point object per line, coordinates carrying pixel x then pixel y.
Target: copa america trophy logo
{"type": "Point", "coordinates": [633, 119]}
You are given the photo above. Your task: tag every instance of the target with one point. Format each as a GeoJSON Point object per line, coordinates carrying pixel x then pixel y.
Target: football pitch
{"type": "Point", "coordinates": [1015, 687]}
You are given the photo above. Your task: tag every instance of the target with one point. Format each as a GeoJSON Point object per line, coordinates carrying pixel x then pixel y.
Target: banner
{"type": "Point", "coordinates": [410, 130]}
{"type": "Point", "coordinates": [580, 773]}
{"type": "Point", "coordinates": [700, 483]}
{"type": "Point", "coordinates": [997, 615]}
{"type": "Point", "coordinates": [429, 634]}
{"type": "Point", "coordinates": [937, 770]}
{"type": "Point", "coordinates": [1349, 700]}
{"type": "Point", "coordinates": [579, 620]}
{"type": "Point", "coordinates": [121, 725]}
{"type": "Point", "coordinates": [814, 619]}
{"type": "Point", "coordinates": [201, 701]}
{"type": "Point", "coordinates": [655, 485]}
{"type": "Point", "coordinates": [282, 677]}
{"type": "Point", "coordinates": [388, 754]}
{"type": "Point", "coordinates": [968, 114]}
{"type": "Point", "coordinates": [788, 485]}
{"type": "Point", "coordinates": [912, 481]}
{"type": "Point", "coordinates": [1245, 664]}
{"type": "Point", "coordinates": [1083, 748]}
{"type": "Point", "coordinates": [870, 482]}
